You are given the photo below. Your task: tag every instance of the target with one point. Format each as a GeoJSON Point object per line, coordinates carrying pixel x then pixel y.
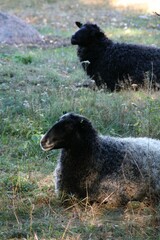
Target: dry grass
{"type": "Point", "coordinates": [143, 5]}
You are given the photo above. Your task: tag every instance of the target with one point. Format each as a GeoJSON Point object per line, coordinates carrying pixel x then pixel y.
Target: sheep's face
{"type": "Point", "coordinates": [87, 34]}
{"type": "Point", "coordinates": [64, 133]}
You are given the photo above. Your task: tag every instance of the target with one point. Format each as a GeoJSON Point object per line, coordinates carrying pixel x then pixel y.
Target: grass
{"type": "Point", "coordinates": [36, 85]}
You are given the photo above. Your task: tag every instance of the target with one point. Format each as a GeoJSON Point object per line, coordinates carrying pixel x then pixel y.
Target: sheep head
{"type": "Point", "coordinates": [67, 132]}
{"type": "Point", "coordinates": [87, 34]}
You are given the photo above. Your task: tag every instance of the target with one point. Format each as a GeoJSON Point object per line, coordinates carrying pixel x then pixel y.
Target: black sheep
{"type": "Point", "coordinates": [115, 64]}
{"type": "Point", "coordinates": [104, 168]}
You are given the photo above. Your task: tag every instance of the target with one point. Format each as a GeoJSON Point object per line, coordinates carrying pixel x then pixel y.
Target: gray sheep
{"type": "Point", "coordinates": [102, 168]}
{"type": "Point", "coordinates": [114, 65]}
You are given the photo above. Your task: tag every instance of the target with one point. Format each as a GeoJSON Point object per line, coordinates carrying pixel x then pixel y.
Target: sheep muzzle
{"type": "Point", "coordinates": [73, 40]}
{"type": "Point", "coordinates": [45, 144]}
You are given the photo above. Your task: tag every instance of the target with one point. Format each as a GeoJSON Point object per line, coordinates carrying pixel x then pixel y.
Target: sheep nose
{"type": "Point", "coordinates": [43, 142]}
{"type": "Point", "coordinates": [73, 40]}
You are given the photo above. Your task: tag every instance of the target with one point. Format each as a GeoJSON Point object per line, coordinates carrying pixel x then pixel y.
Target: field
{"type": "Point", "coordinates": [37, 84]}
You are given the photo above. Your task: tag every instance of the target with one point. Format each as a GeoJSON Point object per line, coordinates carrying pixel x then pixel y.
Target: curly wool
{"type": "Point", "coordinates": [116, 64]}
{"type": "Point", "coordinates": [104, 168]}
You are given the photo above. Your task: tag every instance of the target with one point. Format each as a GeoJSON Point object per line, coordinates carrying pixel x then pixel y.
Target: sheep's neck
{"type": "Point", "coordinates": [82, 150]}
{"type": "Point", "coordinates": [92, 53]}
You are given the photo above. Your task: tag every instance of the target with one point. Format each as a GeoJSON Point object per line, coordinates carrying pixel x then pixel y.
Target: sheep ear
{"type": "Point", "coordinates": [79, 24]}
